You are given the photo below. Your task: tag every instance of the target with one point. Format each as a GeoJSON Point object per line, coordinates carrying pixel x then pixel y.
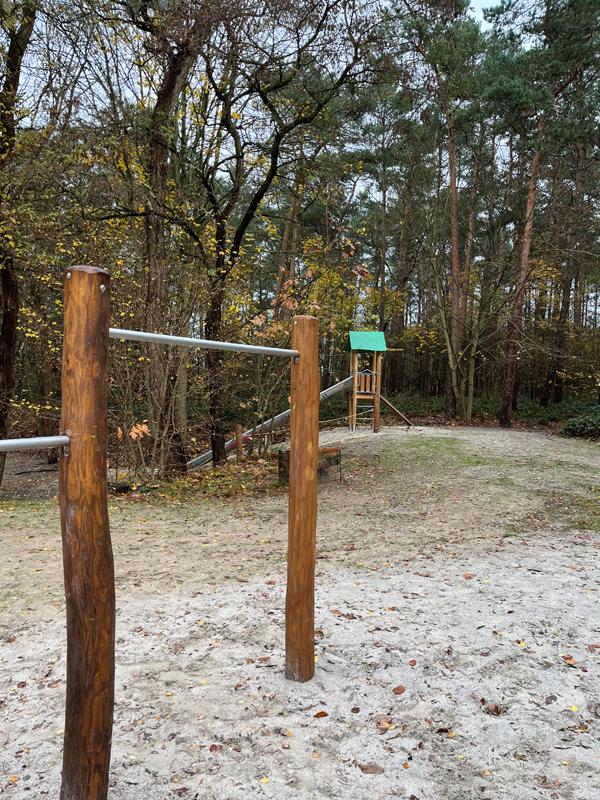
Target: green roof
{"type": "Point", "coordinates": [367, 340]}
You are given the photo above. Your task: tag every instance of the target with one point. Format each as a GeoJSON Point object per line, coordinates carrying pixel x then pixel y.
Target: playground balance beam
{"type": "Point", "coordinates": [269, 424]}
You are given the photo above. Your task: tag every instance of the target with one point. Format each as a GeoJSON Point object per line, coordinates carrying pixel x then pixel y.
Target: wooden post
{"type": "Point", "coordinates": [353, 396]}
{"type": "Point", "coordinates": [239, 442]}
{"type": "Point", "coordinates": [377, 359]}
{"type": "Point", "coordinates": [302, 514]}
{"type": "Point", "coordinates": [87, 551]}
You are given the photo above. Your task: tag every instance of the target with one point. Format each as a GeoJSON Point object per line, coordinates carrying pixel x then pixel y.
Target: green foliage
{"type": "Point", "coordinates": [585, 426]}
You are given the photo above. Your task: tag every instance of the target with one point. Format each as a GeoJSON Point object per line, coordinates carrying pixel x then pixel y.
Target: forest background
{"type": "Point", "coordinates": [423, 168]}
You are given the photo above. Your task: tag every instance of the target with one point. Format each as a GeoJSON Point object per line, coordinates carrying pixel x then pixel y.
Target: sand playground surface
{"type": "Point", "coordinates": [458, 631]}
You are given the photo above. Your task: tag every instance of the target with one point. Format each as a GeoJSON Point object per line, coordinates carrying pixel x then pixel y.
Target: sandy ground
{"type": "Point", "coordinates": [459, 567]}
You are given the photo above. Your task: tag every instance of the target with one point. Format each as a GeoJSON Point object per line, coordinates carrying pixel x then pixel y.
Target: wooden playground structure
{"type": "Point", "coordinates": [366, 382]}
{"type": "Point", "coordinates": [83, 498]}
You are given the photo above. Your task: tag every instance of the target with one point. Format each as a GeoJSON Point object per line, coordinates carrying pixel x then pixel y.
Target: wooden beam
{"type": "Point", "coordinates": [377, 392]}
{"type": "Point", "coordinates": [400, 414]}
{"type": "Point", "coordinates": [87, 551]}
{"type": "Point", "coordinates": [302, 513]}
{"type": "Point", "coordinates": [353, 397]}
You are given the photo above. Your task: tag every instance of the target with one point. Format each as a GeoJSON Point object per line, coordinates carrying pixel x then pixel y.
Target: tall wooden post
{"type": "Point", "coordinates": [302, 515]}
{"type": "Point", "coordinates": [377, 359]}
{"type": "Point", "coordinates": [87, 551]}
{"type": "Point", "coordinates": [354, 396]}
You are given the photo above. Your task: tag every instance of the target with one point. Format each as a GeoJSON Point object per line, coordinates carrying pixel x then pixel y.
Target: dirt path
{"type": "Point", "coordinates": [460, 564]}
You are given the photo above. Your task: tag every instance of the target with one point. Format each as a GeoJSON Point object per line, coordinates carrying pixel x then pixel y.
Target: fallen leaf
{"type": "Point", "coordinates": [468, 576]}
{"type": "Point", "coordinates": [398, 689]}
{"type": "Point", "coordinates": [355, 710]}
{"type": "Point", "coordinates": [494, 709]}
{"type": "Point", "coordinates": [591, 648]}
{"type": "Point", "coordinates": [371, 768]}
{"type": "Point", "coordinates": [547, 783]}
{"type": "Point", "coordinates": [321, 714]}
{"type": "Point", "coordinates": [336, 612]}
{"type": "Point", "coordinates": [412, 662]}
{"type": "Point", "coordinates": [569, 660]}
{"type": "Point", "coordinates": [265, 779]}
{"type": "Point", "coordinates": [384, 723]}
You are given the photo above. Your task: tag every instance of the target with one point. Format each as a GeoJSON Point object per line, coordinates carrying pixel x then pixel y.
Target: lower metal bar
{"type": "Point", "coordinates": [206, 344]}
{"type": "Point", "coordinates": [35, 443]}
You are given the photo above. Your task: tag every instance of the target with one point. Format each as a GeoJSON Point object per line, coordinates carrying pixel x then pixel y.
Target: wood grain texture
{"type": "Point", "coordinates": [377, 375]}
{"type": "Point", "coordinates": [353, 403]}
{"type": "Point", "coordinates": [302, 515]}
{"type": "Point", "coordinates": [87, 551]}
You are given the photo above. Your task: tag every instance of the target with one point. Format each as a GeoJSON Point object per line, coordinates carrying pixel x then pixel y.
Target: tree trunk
{"type": "Point", "coordinates": [214, 363]}
{"type": "Point", "coordinates": [383, 251]}
{"type": "Point", "coordinates": [18, 40]}
{"type": "Point", "coordinates": [289, 244]}
{"type": "Point", "coordinates": [8, 341]}
{"type": "Point", "coordinates": [516, 314]}
{"type": "Point", "coordinates": [554, 379]}
{"type": "Point", "coordinates": [456, 322]}
{"type": "Point", "coordinates": [161, 375]}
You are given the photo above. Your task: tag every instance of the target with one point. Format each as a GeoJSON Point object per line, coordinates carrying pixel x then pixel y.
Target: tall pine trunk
{"type": "Point", "coordinates": [516, 313]}
{"type": "Point", "coordinates": [456, 321]}
{"type": "Point", "coordinates": [554, 379]}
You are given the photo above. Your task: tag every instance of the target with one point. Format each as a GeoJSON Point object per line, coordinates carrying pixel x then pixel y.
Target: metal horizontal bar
{"type": "Point", "coordinates": [35, 443]}
{"type": "Point", "coordinates": [207, 344]}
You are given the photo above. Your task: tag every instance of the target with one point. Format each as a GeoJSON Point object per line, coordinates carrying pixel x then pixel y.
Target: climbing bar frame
{"type": "Point", "coordinates": [83, 496]}
{"type": "Point", "coordinates": [205, 344]}
{"type": "Point", "coordinates": [34, 443]}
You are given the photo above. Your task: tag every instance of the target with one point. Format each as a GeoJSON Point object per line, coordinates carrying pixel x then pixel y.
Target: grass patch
{"type": "Point", "coordinates": [575, 511]}
{"type": "Point", "coordinates": [587, 514]}
{"type": "Point", "coordinates": [439, 452]}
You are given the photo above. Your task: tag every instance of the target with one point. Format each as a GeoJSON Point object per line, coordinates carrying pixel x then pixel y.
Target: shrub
{"type": "Point", "coordinates": [586, 426]}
